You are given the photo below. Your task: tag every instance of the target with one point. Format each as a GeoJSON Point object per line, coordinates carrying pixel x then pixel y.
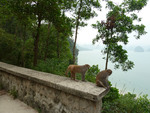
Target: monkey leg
{"type": "Point", "coordinates": [73, 75]}
{"type": "Point", "coordinates": [107, 85]}
{"type": "Point", "coordinates": [83, 76]}
{"type": "Point", "coordinates": [101, 83]}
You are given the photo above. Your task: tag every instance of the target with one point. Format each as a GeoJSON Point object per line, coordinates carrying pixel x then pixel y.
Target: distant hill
{"type": "Point", "coordinates": [139, 49]}
{"type": "Point", "coordinates": [83, 48]}
{"type": "Point", "coordinates": [148, 50]}
{"type": "Point", "coordinates": [89, 47]}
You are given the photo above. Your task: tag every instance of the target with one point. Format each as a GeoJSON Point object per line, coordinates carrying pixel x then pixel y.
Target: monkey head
{"type": "Point", "coordinates": [87, 65]}
{"type": "Point", "coordinates": [109, 71]}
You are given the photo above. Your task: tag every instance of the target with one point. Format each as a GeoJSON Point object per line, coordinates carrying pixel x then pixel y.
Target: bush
{"type": "Point", "coordinates": [14, 93]}
{"type": "Point", "coordinates": [55, 66]}
{"type": "Point", "coordinates": [91, 73]}
{"type": "Point", "coordinates": [142, 104]}
{"type": "Point", "coordinates": [127, 103]}
{"type": "Point", "coordinates": [112, 95]}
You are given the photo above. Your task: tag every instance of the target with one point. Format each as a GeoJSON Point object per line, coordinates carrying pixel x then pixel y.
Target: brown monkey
{"type": "Point", "coordinates": [102, 78]}
{"type": "Point", "coordinates": [77, 69]}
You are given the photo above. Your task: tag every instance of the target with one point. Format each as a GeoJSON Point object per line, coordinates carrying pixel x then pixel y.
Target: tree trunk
{"type": "Point", "coordinates": [77, 25]}
{"type": "Point", "coordinates": [108, 45]}
{"type": "Point", "coordinates": [23, 49]}
{"type": "Point", "coordinates": [36, 41]}
{"type": "Point", "coordinates": [74, 47]}
{"type": "Point", "coordinates": [47, 42]}
{"type": "Point", "coordinates": [106, 65]}
{"type": "Point", "coordinates": [58, 52]}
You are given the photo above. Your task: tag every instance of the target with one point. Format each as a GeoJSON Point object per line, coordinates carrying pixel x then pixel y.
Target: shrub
{"type": "Point", "coordinates": [142, 105]}
{"type": "Point", "coordinates": [112, 95]}
{"type": "Point", "coordinates": [14, 93]}
{"type": "Point", "coordinates": [91, 73]}
{"type": "Point", "coordinates": [55, 66]}
{"type": "Point", "coordinates": [127, 103]}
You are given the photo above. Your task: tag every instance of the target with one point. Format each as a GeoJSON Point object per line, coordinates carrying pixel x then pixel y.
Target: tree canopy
{"type": "Point", "coordinates": [39, 27]}
{"type": "Point", "coordinates": [115, 31]}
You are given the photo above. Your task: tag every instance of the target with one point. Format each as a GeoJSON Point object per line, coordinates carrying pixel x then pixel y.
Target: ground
{"type": "Point", "coordinates": [10, 105]}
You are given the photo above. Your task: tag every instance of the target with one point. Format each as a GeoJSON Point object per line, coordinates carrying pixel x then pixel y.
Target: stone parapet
{"type": "Point", "coordinates": [51, 93]}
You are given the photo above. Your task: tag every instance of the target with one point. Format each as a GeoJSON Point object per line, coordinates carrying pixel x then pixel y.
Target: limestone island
{"type": "Point", "coordinates": [139, 49]}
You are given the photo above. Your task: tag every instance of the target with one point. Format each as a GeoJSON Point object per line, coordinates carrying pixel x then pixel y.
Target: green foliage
{"type": "Point", "coordinates": [71, 43]}
{"type": "Point", "coordinates": [14, 50]}
{"type": "Point", "coordinates": [119, 56]}
{"type": "Point", "coordinates": [8, 47]}
{"type": "Point", "coordinates": [135, 4]}
{"type": "Point", "coordinates": [127, 103]}
{"type": "Point", "coordinates": [39, 110]}
{"type": "Point", "coordinates": [50, 45]}
{"type": "Point", "coordinates": [116, 33]}
{"type": "Point", "coordinates": [14, 93]}
{"type": "Point", "coordinates": [19, 29]}
{"type": "Point", "coordinates": [91, 73]}
{"type": "Point", "coordinates": [112, 95]}
{"type": "Point", "coordinates": [124, 102]}
{"type": "Point", "coordinates": [143, 104]}
{"type": "Point", "coordinates": [55, 66]}
{"type": "Point", "coordinates": [83, 10]}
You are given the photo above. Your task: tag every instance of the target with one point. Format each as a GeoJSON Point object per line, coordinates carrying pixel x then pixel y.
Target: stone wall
{"type": "Point", "coordinates": [50, 93]}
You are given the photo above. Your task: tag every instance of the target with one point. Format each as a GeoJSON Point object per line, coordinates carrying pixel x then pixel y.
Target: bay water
{"type": "Point", "coordinates": [135, 81]}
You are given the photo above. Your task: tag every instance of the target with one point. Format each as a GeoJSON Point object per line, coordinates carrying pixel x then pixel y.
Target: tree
{"type": "Point", "coordinates": [71, 43]}
{"type": "Point", "coordinates": [42, 8]}
{"type": "Point", "coordinates": [20, 12]}
{"type": "Point", "coordinates": [83, 10]}
{"type": "Point", "coordinates": [50, 43]}
{"type": "Point", "coordinates": [19, 28]}
{"type": "Point", "coordinates": [64, 30]}
{"type": "Point", "coordinates": [38, 10]}
{"type": "Point", "coordinates": [113, 32]}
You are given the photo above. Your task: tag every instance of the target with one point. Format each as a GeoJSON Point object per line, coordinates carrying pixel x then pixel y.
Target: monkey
{"type": "Point", "coordinates": [77, 69]}
{"type": "Point", "coordinates": [102, 78]}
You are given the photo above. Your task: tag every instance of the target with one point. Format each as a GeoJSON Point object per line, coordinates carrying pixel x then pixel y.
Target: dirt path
{"type": "Point", "coordinates": [9, 105]}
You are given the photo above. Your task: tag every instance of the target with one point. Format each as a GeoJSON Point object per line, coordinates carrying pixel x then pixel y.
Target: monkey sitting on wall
{"type": "Point", "coordinates": [77, 69]}
{"type": "Point", "coordinates": [102, 78]}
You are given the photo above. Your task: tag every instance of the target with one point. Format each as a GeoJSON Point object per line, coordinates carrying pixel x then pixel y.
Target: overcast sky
{"type": "Point", "coordinates": [87, 34]}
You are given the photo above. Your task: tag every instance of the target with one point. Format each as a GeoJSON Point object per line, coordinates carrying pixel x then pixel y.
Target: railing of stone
{"type": "Point", "coordinates": [49, 93]}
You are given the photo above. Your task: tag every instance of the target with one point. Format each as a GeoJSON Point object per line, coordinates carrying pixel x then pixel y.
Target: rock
{"type": "Point", "coordinates": [148, 50]}
{"type": "Point", "coordinates": [139, 49]}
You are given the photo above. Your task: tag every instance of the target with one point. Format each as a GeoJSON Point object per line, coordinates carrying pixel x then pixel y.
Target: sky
{"type": "Point", "coordinates": [87, 34]}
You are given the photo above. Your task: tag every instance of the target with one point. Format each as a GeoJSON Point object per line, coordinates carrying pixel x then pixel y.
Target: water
{"type": "Point", "coordinates": [135, 81]}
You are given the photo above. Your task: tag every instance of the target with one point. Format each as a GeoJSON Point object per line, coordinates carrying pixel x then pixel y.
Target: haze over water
{"type": "Point", "coordinates": [135, 81]}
